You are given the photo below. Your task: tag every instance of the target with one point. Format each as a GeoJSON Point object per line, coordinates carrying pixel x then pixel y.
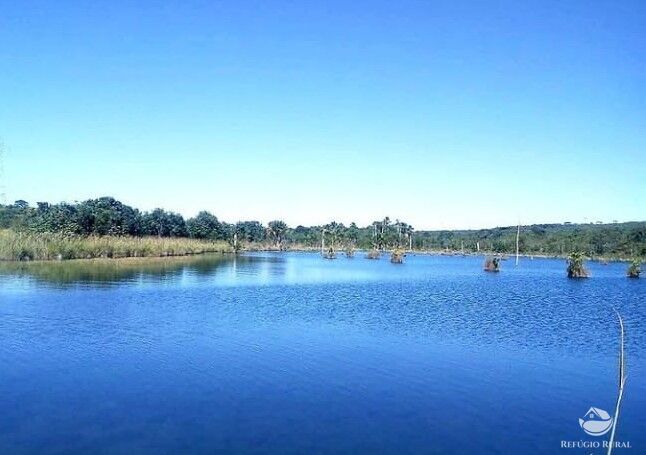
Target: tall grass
{"type": "Point", "coordinates": [22, 246]}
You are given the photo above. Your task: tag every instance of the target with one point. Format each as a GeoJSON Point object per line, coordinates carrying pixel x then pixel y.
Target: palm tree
{"type": "Point", "coordinates": [276, 230]}
{"type": "Point", "coordinates": [376, 236]}
{"type": "Point", "coordinates": [408, 232]}
{"type": "Point", "coordinates": [351, 235]}
{"type": "Point", "coordinates": [399, 226]}
{"type": "Point", "coordinates": [335, 230]}
{"type": "Point", "coordinates": [385, 226]}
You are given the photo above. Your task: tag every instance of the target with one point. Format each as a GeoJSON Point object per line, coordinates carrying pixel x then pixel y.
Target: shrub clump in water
{"type": "Point", "coordinates": [575, 266]}
{"type": "Point", "coordinates": [634, 269]}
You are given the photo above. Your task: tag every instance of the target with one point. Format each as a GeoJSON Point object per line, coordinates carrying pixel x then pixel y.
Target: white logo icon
{"type": "Point", "coordinates": [596, 422]}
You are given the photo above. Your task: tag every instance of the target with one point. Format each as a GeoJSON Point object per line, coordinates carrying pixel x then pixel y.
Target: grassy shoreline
{"type": "Point", "coordinates": [20, 246]}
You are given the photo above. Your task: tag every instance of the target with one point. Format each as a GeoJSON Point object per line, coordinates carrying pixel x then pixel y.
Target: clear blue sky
{"type": "Point", "coordinates": [444, 114]}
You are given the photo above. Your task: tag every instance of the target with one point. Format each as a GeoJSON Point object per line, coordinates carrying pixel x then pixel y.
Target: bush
{"type": "Point", "coordinates": [576, 267]}
{"type": "Point", "coordinates": [634, 269]}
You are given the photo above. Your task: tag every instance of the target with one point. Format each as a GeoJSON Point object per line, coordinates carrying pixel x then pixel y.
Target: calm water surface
{"type": "Point", "coordinates": [290, 353]}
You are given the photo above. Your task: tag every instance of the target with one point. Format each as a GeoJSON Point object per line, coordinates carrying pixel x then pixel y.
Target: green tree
{"type": "Point", "coordinates": [60, 218]}
{"type": "Point", "coordinates": [352, 234]}
{"type": "Point", "coordinates": [250, 231]}
{"type": "Point", "coordinates": [276, 230]}
{"type": "Point", "coordinates": [163, 224]}
{"type": "Point", "coordinates": [206, 226]}
{"type": "Point", "coordinates": [107, 216]}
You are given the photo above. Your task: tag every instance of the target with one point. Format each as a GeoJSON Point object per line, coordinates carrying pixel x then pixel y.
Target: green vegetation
{"type": "Point", "coordinates": [26, 246]}
{"type": "Point", "coordinates": [634, 270]}
{"type": "Point", "coordinates": [98, 218]}
{"type": "Point", "coordinates": [492, 264]}
{"type": "Point", "coordinates": [618, 240]}
{"type": "Point", "coordinates": [576, 267]}
{"type": "Point", "coordinates": [276, 230]}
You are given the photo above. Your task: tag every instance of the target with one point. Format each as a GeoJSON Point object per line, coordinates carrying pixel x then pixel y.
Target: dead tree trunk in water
{"type": "Point", "coordinates": [517, 242]}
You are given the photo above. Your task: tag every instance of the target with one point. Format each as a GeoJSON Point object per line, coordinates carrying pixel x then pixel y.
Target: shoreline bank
{"type": "Point", "coordinates": [27, 247]}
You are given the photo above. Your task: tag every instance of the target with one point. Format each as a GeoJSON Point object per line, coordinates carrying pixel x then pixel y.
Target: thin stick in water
{"type": "Point", "coordinates": [622, 382]}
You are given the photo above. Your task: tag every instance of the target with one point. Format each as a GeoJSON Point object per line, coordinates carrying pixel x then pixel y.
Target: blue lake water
{"type": "Point", "coordinates": [291, 353]}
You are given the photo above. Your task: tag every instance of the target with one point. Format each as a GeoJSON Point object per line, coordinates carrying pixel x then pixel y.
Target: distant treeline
{"type": "Point", "coordinates": [107, 216]}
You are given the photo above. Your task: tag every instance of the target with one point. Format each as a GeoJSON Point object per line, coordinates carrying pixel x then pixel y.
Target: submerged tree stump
{"type": "Point", "coordinates": [374, 254]}
{"type": "Point", "coordinates": [492, 264]}
{"type": "Point", "coordinates": [397, 257]}
{"type": "Point", "coordinates": [330, 254]}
